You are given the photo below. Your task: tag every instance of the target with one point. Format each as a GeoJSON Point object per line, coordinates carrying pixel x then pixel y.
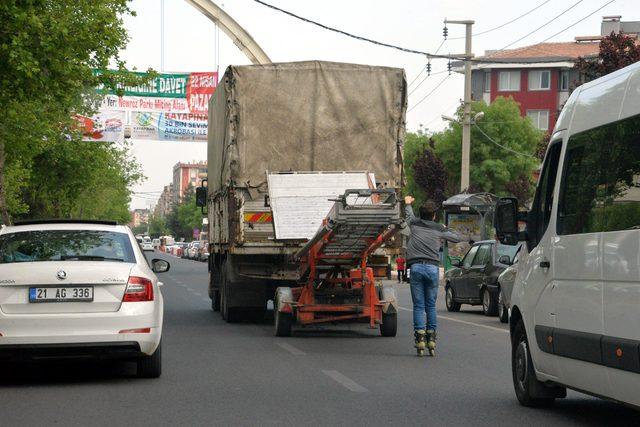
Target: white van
{"type": "Point", "coordinates": [575, 307]}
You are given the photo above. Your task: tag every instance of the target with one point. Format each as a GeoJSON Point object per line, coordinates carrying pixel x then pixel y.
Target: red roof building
{"type": "Point", "coordinates": [539, 77]}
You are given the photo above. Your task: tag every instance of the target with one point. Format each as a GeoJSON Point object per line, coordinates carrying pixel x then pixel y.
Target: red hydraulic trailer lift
{"type": "Point", "coordinates": [337, 284]}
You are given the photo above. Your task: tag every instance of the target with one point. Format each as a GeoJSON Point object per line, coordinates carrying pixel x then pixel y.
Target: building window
{"type": "Point", "coordinates": [540, 118]}
{"type": "Point", "coordinates": [564, 81]}
{"type": "Point", "coordinates": [539, 80]}
{"type": "Point", "coordinates": [509, 81]}
{"type": "Point", "coordinates": [487, 81]}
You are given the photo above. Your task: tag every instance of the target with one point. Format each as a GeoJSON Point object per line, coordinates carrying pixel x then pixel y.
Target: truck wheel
{"type": "Point", "coordinates": [215, 300]}
{"type": "Point", "coordinates": [151, 366]}
{"type": "Point", "coordinates": [389, 325]}
{"type": "Point", "coordinates": [449, 299]}
{"type": "Point", "coordinates": [529, 391]}
{"type": "Point", "coordinates": [489, 303]}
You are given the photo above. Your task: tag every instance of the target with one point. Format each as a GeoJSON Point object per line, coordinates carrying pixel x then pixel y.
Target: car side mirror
{"type": "Point", "coordinates": [456, 263]}
{"type": "Point", "coordinates": [505, 259]}
{"type": "Point", "coordinates": [160, 266]}
{"type": "Point", "coordinates": [505, 221]}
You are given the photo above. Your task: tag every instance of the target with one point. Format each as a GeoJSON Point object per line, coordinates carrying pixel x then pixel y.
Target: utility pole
{"type": "Point", "coordinates": [466, 119]}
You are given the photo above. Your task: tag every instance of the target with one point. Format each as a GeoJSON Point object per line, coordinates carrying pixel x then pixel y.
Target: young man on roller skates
{"type": "Point", "coordinates": [423, 258]}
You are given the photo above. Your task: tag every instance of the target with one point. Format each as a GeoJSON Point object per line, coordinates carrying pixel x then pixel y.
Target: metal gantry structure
{"type": "Point", "coordinates": [235, 31]}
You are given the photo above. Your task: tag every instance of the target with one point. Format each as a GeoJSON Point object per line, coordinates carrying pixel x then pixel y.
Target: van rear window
{"type": "Point", "coordinates": [601, 180]}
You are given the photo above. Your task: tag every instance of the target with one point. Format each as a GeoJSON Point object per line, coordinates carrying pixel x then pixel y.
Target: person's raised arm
{"type": "Point", "coordinates": [408, 210]}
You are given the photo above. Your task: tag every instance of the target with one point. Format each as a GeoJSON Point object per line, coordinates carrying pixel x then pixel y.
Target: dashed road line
{"type": "Point", "coordinates": [345, 381]}
{"type": "Point", "coordinates": [291, 349]}
{"type": "Point", "coordinates": [452, 319]}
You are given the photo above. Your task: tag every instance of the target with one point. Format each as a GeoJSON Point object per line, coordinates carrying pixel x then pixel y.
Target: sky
{"type": "Point", "coordinates": [190, 45]}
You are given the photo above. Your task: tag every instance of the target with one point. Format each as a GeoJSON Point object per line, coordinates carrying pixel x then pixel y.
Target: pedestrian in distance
{"type": "Point", "coordinates": [423, 258]}
{"type": "Point", "coordinates": [400, 266]}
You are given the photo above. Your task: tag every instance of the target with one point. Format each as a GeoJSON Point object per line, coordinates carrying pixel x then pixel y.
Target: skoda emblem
{"type": "Point", "coordinates": [61, 275]}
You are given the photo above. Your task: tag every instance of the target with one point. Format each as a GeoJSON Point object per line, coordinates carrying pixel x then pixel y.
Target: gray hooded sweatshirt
{"type": "Point", "coordinates": [425, 238]}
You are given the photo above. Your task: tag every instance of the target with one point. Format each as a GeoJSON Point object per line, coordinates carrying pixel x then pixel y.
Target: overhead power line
{"type": "Point", "coordinates": [500, 145]}
{"type": "Point", "coordinates": [429, 94]}
{"type": "Point", "coordinates": [506, 23]}
{"type": "Point", "coordinates": [539, 28]}
{"type": "Point", "coordinates": [579, 21]}
{"type": "Point", "coordinates": [425, 79]}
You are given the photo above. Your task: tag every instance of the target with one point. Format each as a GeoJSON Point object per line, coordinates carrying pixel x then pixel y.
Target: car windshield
{"type": "Point", "coordinates": [508, 250]}
{"type": "Point", "coordinates": [65, 245]}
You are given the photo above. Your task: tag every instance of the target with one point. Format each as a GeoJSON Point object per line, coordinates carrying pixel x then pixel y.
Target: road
{"type": "Point", "coordinates": [240, 374]}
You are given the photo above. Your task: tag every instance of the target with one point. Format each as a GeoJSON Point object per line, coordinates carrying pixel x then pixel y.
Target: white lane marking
{"type": "Point", "coordinates": [452, 319]}
{"type": "Point", "coordinates": [347, 382]}
{"type": "Point", "coordinates": [291, 349]}
{"type": "Point", "coordinates": [198, 294]}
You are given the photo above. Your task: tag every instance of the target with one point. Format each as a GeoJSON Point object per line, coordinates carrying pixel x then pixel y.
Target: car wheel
{"type": "Point", "coordinates": [529, 391]}
{"type": "Point", "coordinates": [503, 311]}
{"type": "Point", "coordinates": [489, 303]}
{"type": "Point", "coordinates": [449, 299]}
{"type": "Point", "coordinates": [151, 366]}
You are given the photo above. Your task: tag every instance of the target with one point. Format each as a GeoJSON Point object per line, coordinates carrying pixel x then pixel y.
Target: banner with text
{"type": "Point", "coordinates": [171, 107]}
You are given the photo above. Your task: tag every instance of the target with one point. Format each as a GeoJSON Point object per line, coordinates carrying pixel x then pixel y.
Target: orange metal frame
{"type": "Point", "coordinates": [310, 312]}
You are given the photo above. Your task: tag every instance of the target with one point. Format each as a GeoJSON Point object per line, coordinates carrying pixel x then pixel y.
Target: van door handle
{"type": "Point", "coordinates": [545, 264]}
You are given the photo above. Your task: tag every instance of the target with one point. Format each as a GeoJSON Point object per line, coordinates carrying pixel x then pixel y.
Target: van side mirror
{"type": "Point", "coordinates": [506, 221]}
{"type": "Point", "coordinates": [201, 197]}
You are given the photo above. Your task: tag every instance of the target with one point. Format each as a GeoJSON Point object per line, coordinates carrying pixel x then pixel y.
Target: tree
{"type": "Point", "coordinates": [430, 174]}
{"type": "Point", "coordinates": [616, 52]}
{"type": "Point", "coordinates": [185, 216]}
{"type": "Point", "coordinates": [49, 50]}
{"type": "Point", "coordinates": [503, 148]}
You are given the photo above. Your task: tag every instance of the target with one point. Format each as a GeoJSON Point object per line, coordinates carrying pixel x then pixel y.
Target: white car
{"type": "Point", "coordinates": [147, 245]}
{"type": "Point", "coordinates": [79, 289]}
{"type": "Point", "coordinates": [156, 243]}
{"type": "Point", "coordinates": [575, 304]}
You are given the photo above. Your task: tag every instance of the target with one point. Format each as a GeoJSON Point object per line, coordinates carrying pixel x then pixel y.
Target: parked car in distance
{"type": "Point", "coordinates": [156, 243]}
{"type": "Point", "coordinates": [474, 279]}
{"type": "Point", "coordinates": [79, 289]}
{"type": "Point", "coordinates": [193, 250]}
{"type": "Point", "coordinates": [505, 281]}
{"type": "Point", "coordinates": [576, 298]}
{"type": "Point", "coordinates": [146, 244]}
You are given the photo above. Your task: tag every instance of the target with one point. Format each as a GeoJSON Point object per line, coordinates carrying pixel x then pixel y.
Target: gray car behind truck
{"type": "Point", "coordinates": [307, 126]}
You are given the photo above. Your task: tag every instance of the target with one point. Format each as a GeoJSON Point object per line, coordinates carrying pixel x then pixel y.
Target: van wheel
{"type": "Point", "coordinates": [503, 312]}
{"type": "Point", "coordinates": [529, 391]}
{"type": "Point", "coordinates": [489, 303]}
{"type": "Point", "coordinates": [449, 300]}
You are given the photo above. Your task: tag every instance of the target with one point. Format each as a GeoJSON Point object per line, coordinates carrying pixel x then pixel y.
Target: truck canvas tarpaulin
{"type": "Point", "coordinates": [306, 116]}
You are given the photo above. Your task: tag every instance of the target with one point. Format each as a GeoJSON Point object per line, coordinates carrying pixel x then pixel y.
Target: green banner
{"type": "Point", "coordinates": [163, 86]}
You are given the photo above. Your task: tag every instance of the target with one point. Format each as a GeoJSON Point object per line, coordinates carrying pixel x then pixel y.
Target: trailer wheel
{"type": "Point", "coordinates": [389, 325]}
{"type": "Point", "coordinates": [283, 324]}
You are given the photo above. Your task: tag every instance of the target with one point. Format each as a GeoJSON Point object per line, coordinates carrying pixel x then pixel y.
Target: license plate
{"type": "Point", "coordinates": [66, 294]}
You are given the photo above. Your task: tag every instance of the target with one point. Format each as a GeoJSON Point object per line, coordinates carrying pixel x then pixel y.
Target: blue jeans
{"type": "Point", "coordinates": [424, 291]}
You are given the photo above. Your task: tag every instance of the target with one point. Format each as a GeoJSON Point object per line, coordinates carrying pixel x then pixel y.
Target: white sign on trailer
{"type": "Point", "coordinates": [301, 200]}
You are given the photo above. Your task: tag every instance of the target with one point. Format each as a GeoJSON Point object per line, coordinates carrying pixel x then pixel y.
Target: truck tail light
{"type": "Point", "coordinates": [138, 289]}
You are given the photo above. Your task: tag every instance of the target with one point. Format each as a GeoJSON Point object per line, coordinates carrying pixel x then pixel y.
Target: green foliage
{"type": "Point", "coordinates": [185, 216]}
{"type": "Point", "coordinates": [158, 226]}
{"type": "Point", "coordinates": [616, 52]}
{"type": "Point", "coordinates": [48, 52]}
{"type": "Point", "coordinates": [493, 169]}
